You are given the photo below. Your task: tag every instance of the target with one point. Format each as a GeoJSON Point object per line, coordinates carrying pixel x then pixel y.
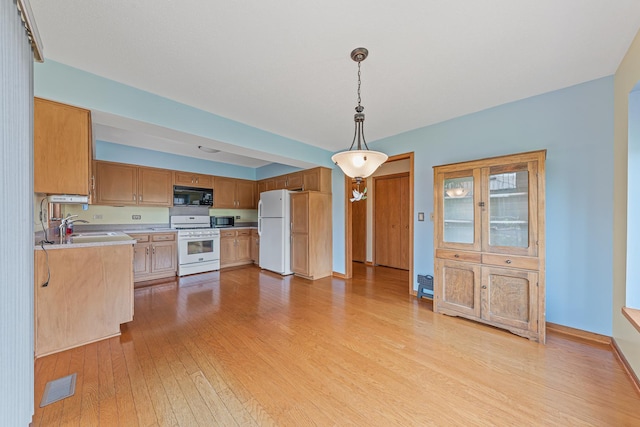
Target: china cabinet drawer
{"type": "Point", "coordinates": [510, 261]}
{"type": "Point", "coordinates": [458, 255]}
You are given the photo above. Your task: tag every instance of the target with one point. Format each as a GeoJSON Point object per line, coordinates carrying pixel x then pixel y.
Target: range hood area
{"type": "Point", "coordinates": [68, 198]}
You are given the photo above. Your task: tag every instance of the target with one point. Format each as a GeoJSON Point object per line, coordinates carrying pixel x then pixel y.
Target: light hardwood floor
{"type": "Point", "coordinates": [245, 347]}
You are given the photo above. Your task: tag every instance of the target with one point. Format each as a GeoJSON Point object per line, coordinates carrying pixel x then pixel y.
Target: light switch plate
{"type": "Point", "coordinates": [420, 216]}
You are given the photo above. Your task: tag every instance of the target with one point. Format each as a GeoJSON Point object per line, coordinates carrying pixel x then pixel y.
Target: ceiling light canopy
{"type": "Point", "coordinates": [208, 149]}
{"type": "Point", "coordinates": [361, 162]}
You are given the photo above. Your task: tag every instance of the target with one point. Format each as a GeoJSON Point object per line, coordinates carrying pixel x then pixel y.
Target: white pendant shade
{"type": "Point", "coordinates": [359, 163]}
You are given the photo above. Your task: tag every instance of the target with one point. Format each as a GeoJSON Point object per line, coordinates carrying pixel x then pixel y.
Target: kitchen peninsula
{"type": "Point", "coordinates": [83, 291]}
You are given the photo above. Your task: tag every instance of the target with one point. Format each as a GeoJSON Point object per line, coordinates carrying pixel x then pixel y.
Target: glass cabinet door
{"type": "Point", "coordinates": [508, 208]}
{"type": "Point", "coordinates": [458, 210]}
{"type": "Point", "coordinates": [459, 223]}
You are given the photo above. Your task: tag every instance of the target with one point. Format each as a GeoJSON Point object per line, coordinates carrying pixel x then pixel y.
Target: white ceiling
{"type": "Point", "coordinates": [283, 65]}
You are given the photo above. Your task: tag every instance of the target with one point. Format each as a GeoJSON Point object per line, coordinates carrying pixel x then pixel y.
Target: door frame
{"type": "Point", "coordinates": [348, 213]}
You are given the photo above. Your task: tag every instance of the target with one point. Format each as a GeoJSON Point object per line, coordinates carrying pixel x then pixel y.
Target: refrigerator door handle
{"type": "Point", "coordinates": [259, 226]}
{"type": "Point", "coordinates": [259, 208]}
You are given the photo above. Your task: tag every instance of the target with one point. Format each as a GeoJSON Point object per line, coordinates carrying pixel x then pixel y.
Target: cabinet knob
{"type": "Point", "coordinates": [508, 261]}
{"type": "Point", "coordinates": [456, 256]}
{"type": "Point", "coordinates": [484, 286]}
{"type": "Point", "coordinates": [147, 251]}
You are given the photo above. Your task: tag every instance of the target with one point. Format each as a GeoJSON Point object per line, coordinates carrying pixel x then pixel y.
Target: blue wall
{"type": "Point", "coordinates": [575, 125]}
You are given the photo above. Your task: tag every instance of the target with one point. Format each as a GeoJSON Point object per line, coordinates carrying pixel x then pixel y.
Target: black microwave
{"type": "Point", "coordinates": [222, 221]}
{"type": "Point", "coordinates": [191, 196]}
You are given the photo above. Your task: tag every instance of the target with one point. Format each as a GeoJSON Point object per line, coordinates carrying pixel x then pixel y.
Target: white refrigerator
{"type": "Point", "coordinates": [274, 231]}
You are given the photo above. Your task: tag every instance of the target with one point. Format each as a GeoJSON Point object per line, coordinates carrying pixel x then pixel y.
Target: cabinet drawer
{"type": "Point", "coordinates": [163, 237]}
{"type": "Point", "coordinates": [244, 232]}
{"type": "Point", "coordinates": [510, 261]}
{"type": "Point", "coordinates": [140, 238]}
{"type": "Point", "coordinates": [458, 255]}
{"type": "Point", "coordinates": [228, 233]}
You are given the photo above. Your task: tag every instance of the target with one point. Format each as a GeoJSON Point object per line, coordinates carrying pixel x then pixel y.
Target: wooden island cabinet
{"type": "Point", "coordinates": [82, 295]}
{"type": "Point", "coordinates": [490, 242]}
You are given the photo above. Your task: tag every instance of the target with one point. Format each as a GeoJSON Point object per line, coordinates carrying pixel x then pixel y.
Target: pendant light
{"type": "Point", "coordinates": [361, 162]}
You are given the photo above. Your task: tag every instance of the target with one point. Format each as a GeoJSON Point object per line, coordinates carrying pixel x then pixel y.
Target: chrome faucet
{"type": "Point", "coordinates": [64, 225]}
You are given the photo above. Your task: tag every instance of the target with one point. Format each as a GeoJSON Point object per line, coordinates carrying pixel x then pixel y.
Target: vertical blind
{"type": "Point", "coordinates": [16, 210]}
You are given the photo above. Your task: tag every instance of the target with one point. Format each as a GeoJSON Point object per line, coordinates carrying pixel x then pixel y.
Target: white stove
{"type": "Point", "coordinates": [198, 244]}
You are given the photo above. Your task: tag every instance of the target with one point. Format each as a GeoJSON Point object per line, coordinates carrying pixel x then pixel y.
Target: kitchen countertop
{"type": "Point", "coordinates": [123, 234]}
{"type": "Point", "coordinates": [87, 240]}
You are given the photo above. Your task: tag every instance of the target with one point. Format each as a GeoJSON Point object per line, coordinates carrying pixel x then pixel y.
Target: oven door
{"type": "Point", "coordinates": [198, 249]}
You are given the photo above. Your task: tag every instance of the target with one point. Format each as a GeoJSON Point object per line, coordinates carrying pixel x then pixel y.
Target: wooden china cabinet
{"type": "Point", "coordinates": [490, 242]}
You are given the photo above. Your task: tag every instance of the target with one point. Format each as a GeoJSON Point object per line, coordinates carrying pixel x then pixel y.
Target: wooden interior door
{"type": "Point", "coordinates": [359, 228]}
{"type": "Point", "coordinates": [392, 216]}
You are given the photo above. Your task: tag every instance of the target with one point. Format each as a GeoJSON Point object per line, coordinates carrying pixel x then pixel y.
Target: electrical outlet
{"type": "Point", "coordinates": [98, 216]}
{"type": "Point", "coordinates": [431, 216]}
{"type": "Point", "coordinates": [136, 216]}
{"type": "Point", "coordinates": [237, 216]}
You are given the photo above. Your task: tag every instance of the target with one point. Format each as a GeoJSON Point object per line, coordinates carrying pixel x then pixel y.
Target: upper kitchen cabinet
{"type": "Point", "coordinates": [189, 179]}
{"type": "Point", "coordinates": [316, 179]}
{"type": "Point", "coordinates": [120, 184]}
{"type": "Point", "coordinates": [231, 193]}
{"type": "Point", "coordinates": [489, 242]}
{"type": "Point", "coordinates": [63, 148]}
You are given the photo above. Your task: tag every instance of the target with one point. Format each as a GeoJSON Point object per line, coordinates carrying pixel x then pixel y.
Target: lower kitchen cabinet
{"type": "Point", "coordinates": [311, 239]}
{"type": "Point", "coordinates": [82, 295]}
{"type": "Point", "coordinates": [155, 256]}
{"type": "Point", "coordinates": [255, 247]}
{"type": "Point", "coordinates": [235, 247]}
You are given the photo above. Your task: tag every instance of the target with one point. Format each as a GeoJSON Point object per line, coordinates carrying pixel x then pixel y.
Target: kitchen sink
{"type": "Point", "coordinates": [99, 236]}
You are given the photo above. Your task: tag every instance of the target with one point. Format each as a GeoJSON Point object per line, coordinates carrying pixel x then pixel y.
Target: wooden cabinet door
{"type": "Point", "coordinates": [224, 196]}
{"type": "Point", "coordinates": [299, 213]}
{"type": "Point", "coordinates": [255, 247]}
{"type": "Point", "coordinates": [458, 286]}
{"type": "Point", "coordinates": [154, 187]}
{"type": "Point", "coordinates": [163, 257]}
{"type": "Point", "coordinates": [183, 178]}
{"type": "Point", "coordinates": [116, 184]}
{"type": "Point", "coordinates": [189, 179]}
{"type": "Point", "coordinates": [311, 179]}
{"type": "Point", "coordinates": [245, 194]}
{"type": "Point", "coordinates": [62, 148]}
{"type": "Point", "coordinates": [510, 297]}
{"type": "Point", "coordinates": [203, 181]}
{"type": "Point", "coordinates": [280, 182]}
{"type": "Point", "coordinates": [300, 253]}
{"type": "Point", "coordinates": [243, 248]}
{"type": "Point", "coordinates": [141, 259]}
{"type": "Point", "coordinates": [227, 250]}
{"type": "Point", "coordinates": [295, 181]}
{"type": "Point", "coordinates": [262, 187]}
